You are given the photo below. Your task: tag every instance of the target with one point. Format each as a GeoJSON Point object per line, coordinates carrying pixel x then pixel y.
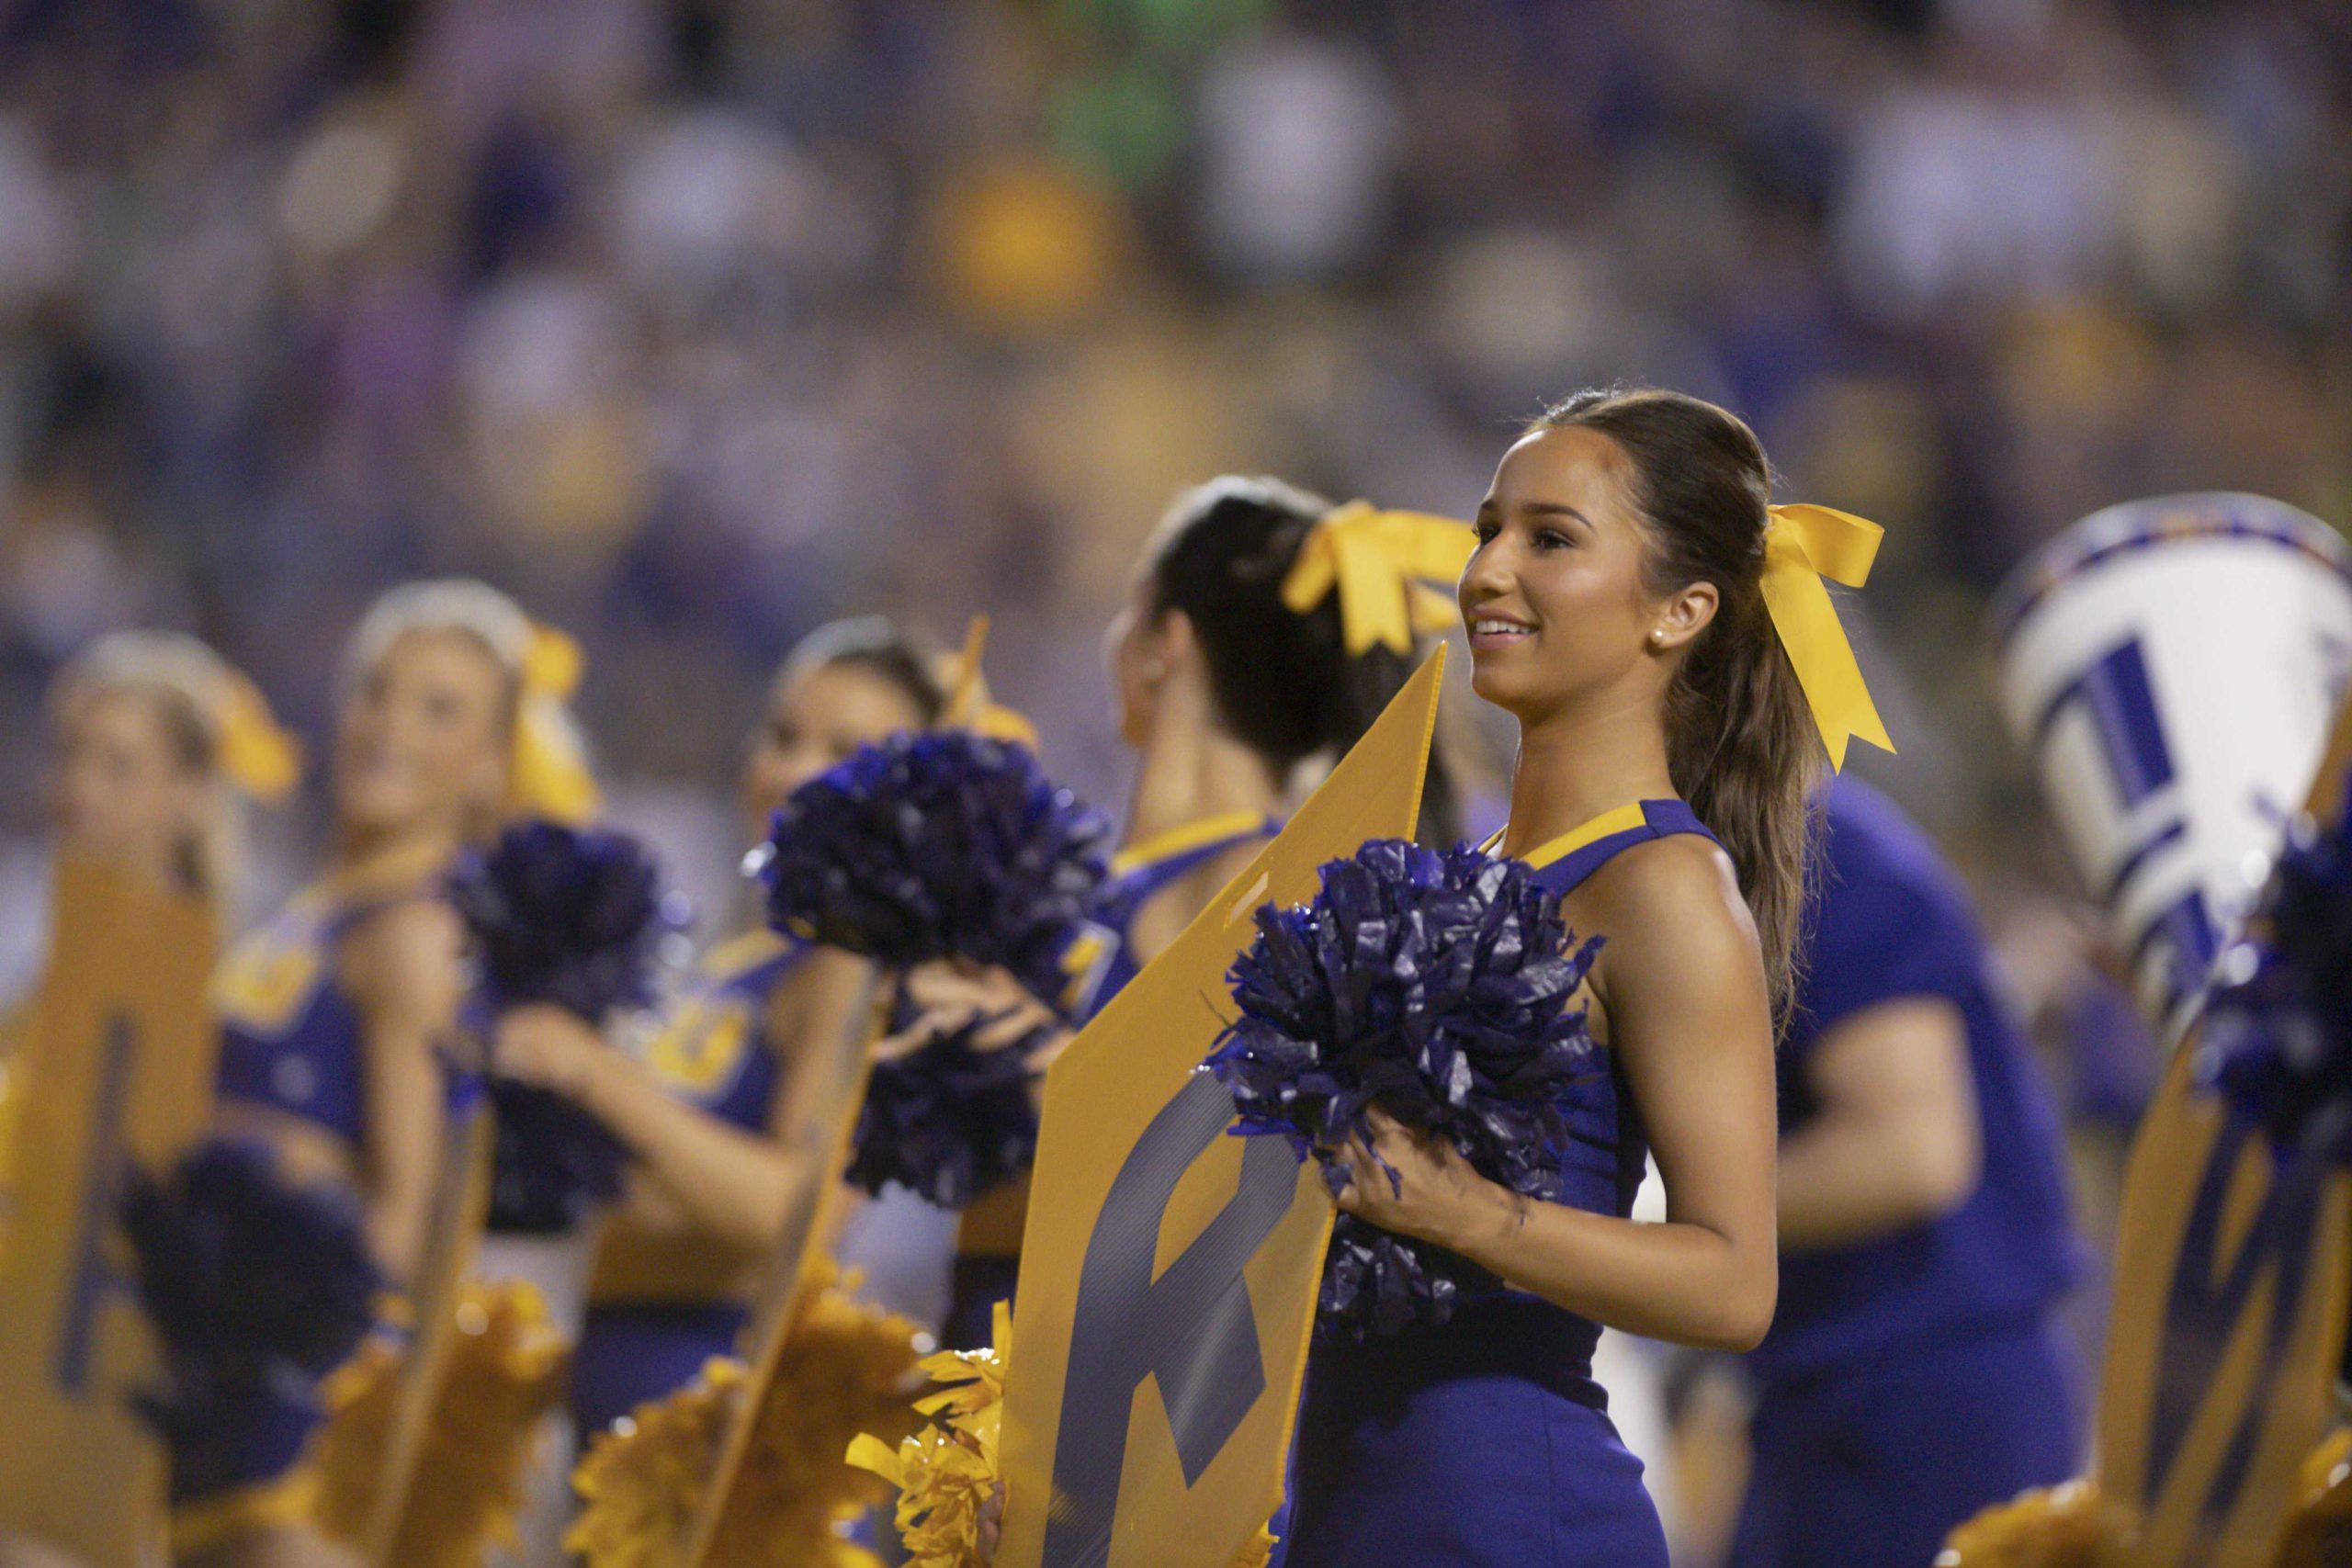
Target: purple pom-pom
{"type": "Point", "coordinates": [935, 844]}
{"type": "Point", "coordinates": [948, 1121]}
{"type": "Point", "coordinates": [563, 915]}
{"type": "Point", "coordinates": [258, 1288]}
{"type": "Point", "coordinates": [922, 847]}
{"type": "Point", "coordinates": [573, 917]}
{"type": "Point", "coordinates": [1378, 1283]}
{"type": "Point", "coordinates": [1436, 987]}
{"type": "Point", "coordinates": [2277, 1029]}
{"type": "Point", "coordinates": [553, 1163]}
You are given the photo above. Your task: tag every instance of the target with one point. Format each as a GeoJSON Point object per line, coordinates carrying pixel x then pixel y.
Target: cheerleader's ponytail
{"type": "Point", "coordinates": [1298, 664]}
{"type": "Point", "coordinates": [1769, 690]}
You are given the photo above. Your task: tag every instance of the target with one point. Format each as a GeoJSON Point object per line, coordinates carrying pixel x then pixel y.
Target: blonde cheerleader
{"type": "Point", "coordinates": [336, 1013]}
{"type": "Point", "coordinates": [158, 745]}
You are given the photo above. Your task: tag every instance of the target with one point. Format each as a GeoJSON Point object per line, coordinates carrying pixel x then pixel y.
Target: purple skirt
{"type": "Point", "coordinates": [1483, 1442]}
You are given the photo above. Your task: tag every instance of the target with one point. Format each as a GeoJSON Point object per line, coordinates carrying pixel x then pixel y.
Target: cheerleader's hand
{"type": "Point", "coordinates": [1416, 1187]}
{"type": "Point", "coordinates": [991, 1522]}
{"type": "Point", "coordinates": [949, 995]}
{"type": "Point", "coordinates": [972, 991]}
{"type": "Point", "coordinates": [547, 1046]}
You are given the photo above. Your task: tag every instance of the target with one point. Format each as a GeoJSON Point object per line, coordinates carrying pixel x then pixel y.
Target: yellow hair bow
{"type": "Point", "coordinates": [1803, 545]}
{"type": "Point", "coordinates": [258, 757]}
{"type": "Point", "coordinates": [968, 704]}
{"type": "Point", "coordinates": [1383, 566]}
{"type": "Point", "coordinates": [551, 775]}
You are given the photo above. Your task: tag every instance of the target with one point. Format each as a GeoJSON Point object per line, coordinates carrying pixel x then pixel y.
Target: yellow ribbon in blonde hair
{"type": "Point", "coordinates": [1384, 567]}
{"type": "Point", "coordinates": [551, 776]}
{"type": "Point", "coordinates": [1803, 545]}
{"type": "Point", "coordinates": [258, 756]}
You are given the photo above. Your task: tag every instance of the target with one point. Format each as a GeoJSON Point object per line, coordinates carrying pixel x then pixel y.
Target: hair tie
{"type": "Point", "coordinates": [1385, 567]}
{"type": "Point", "coordinates": [256, 754]}
{"type": "Point", "coordinates": [1803, 544]}
{"type": "Point", "coordinates": [550, 767]}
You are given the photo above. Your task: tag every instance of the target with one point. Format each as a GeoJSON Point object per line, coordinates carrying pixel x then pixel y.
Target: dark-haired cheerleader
{"type": "Point", "coordinates": [1659, 632]}
{"type": "Point", "coordinates": [705, 1116]}
{"type": "Point", "coordinates": [1241, 666]}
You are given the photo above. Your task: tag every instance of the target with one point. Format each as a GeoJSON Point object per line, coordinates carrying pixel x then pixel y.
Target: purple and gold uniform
{"type": "Point", "coordinates": [293, 1042]}
{"type": "Point", "coordinates": [661, 1307]}
{"type": "Point", "coordinates": [293, 1047]}
{"type": "Point", "coordinates": [1486, 1440]}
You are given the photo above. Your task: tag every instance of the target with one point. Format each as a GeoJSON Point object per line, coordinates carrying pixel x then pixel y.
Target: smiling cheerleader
{"type": "Point", "coordinates": [1659, 631]}
{"type": "Point", "coordinates": [705, 1116]}
{"type": "Point", "coordinates": [337, 1014]}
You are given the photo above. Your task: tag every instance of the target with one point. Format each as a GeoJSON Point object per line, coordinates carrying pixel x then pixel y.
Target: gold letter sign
{"type": "Point", "coordinates": [118, 1062]}
{"type": "Point", "coordinates": [2230, 1276]}
{"type": "Point", "coordinates": [1168, 1273]}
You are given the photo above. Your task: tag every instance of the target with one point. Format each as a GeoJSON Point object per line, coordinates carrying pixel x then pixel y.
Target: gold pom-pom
{"type": "Point", "coordinates": [948, 1473]}
{"type": "Point", "coordinates": [640, 1482]}
{"type": "Point", "coordinates": [1260, 1551]}
{"type": "Point", "coordinates": [2057, 1527]}
{"type": "Point", "coordinates": [846, 1368]}
{"type": "Point", "coordinates": [359, 1396]}
{"type": "Point", "coordinates": [2318, 1532]}
{"type": "Point", "coordinates": [505, 1372]}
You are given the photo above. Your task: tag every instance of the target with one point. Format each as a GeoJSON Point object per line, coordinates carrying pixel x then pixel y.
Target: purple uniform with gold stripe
{"type": "Point", "coordinates": [293, 1044]}
{"type": "Point", "coordinates": [988, 1257]}
{"type": "Point", "coordinates": [1485, 1440]}
{"type": "Point", "coordinates": [659, 1308]}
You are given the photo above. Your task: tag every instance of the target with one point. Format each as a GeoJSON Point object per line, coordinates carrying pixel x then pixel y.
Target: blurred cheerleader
{"type": "Point", "coordinates": [157, 738]}
{"type": "Point", "coordinates": [159, 744]}
{"type": "Point", "coordinates": [708, 1114]}
{"type": "Point", "coordinates": [335, 1012]}
{"type": "Point", "coordinates": [1242, 674]}
{"type": "Point", "coordinates": [336, 1015]}
{"type": "Point", "coordinates": [1659, 633]}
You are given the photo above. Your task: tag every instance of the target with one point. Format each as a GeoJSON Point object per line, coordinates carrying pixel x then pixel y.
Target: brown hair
{"type": "Point", "coordinates": [1740, 740]}
{"type": "Point", "coordinates": [871, 644]}
{"type": "Point", "coordinates": [1285, 682]}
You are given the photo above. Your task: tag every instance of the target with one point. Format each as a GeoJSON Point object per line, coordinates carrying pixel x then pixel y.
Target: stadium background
{"type": "Point", "coordinates": [696, 324]}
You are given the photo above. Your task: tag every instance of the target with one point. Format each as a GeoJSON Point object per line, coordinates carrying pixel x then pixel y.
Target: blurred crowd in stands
{"type": "Point", "coordinates": [695, 323]}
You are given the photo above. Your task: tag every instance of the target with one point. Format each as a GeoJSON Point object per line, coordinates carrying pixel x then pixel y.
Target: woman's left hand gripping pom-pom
{"type": "Point", "coordinates": [1413, 1185]}
{"type": "Point", "coordinates": [953, 859]}
{"type": "Point", "coordinates": [1410, 1029]}
{"type": "Point", "coordinates": [564, 922]}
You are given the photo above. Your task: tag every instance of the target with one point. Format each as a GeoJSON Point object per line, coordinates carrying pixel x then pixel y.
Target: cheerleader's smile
{"type": "Point", "coordinates": [1492, 631]}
